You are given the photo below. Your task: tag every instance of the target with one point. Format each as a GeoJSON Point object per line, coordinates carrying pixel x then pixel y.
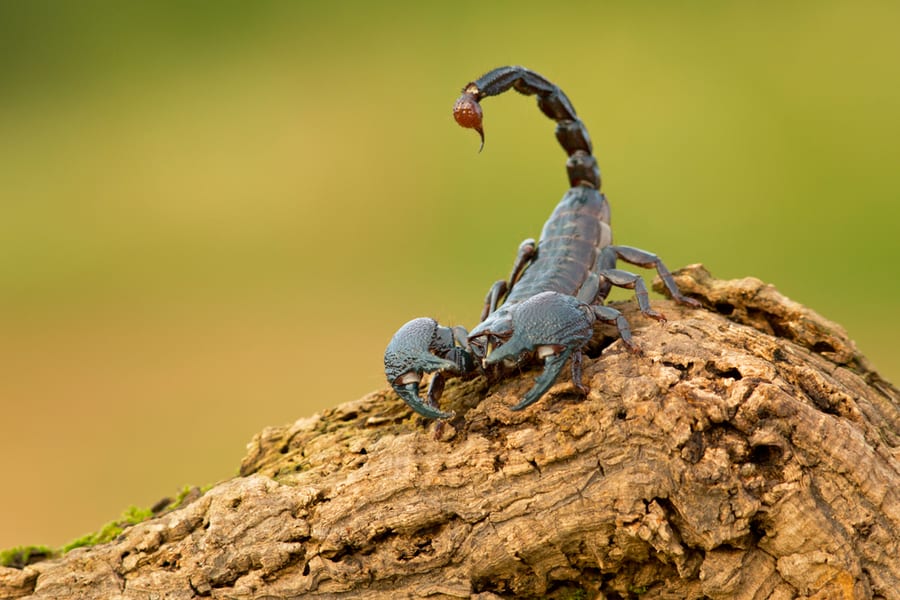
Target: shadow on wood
{"type": "Point", "coordinates": [750, 452]}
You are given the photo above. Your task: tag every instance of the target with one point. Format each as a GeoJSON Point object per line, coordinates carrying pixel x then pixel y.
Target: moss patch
{"type": "Point", "coordinates": [132, 516]}
{"type": "Point", "coordinates": [22, 556]}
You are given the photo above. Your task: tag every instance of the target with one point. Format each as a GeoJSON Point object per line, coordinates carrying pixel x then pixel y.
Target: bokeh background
{"type": "Point", "coordinates": [215, 215]}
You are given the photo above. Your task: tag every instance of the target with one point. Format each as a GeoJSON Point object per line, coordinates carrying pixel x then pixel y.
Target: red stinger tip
{"type": "Point", "coordinates": [467, 113]}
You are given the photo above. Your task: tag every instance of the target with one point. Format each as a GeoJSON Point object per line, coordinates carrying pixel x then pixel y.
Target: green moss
{"type": "Point", "coordinates": [187, 491]}
{"type": "Point", "coordinates": [21, 556]}
{"type": "Point", "coordinates": [131, 516]}
{"type": "Point", "coordinates": [134, 515]}
{"type": "Point", "coordinates": [176, 503]}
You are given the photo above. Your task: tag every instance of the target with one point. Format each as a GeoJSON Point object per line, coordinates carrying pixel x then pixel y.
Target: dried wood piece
{"type": "Point", "coordinates": [750, 452]}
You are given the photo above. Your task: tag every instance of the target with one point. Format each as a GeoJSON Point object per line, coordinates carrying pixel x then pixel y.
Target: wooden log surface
{"type": "Point", "coordinates": [750, 452]}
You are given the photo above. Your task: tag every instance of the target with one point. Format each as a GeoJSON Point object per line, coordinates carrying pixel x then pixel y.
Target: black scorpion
{"type": "Point", "coordinates": [547, 307]}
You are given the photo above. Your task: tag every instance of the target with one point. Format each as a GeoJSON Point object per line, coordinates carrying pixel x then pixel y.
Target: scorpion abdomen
{"type": "Point", "coordinates": [570, 241]}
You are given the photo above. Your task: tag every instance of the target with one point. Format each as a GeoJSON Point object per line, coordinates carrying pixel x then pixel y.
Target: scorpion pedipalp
{"type": "Point", "coordinates": [423, 346]}
{"type": "Point", "coordinates": [551, 325]}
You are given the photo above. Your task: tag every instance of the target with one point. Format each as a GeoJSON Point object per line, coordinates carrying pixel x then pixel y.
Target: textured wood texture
{"type": "Point", "coordinates": [750, 452]}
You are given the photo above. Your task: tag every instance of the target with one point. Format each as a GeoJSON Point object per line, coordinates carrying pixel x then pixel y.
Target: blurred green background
{"type": "Point", "coordinates": [215, 215]}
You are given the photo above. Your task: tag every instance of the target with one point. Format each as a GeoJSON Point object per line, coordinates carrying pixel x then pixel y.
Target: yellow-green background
{"type": "Point", "coordinates": [214, 215]}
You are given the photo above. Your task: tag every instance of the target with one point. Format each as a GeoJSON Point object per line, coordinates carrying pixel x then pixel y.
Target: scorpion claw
{"type": "Point", "coordinates": [409, 393]}
{"type": "Point", "coordinates": [552, 367]}
{"type": "Point", "coordinates": [423, 346]}
{"type": "Point", "coordinates": [551, 325]}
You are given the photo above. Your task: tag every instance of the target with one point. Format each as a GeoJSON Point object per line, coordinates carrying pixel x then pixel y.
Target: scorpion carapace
{"type": "Point", "coordinates": [547, 307]}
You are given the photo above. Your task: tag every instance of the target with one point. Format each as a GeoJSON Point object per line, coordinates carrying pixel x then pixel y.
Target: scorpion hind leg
{"type": "Point", "coordinates": [648, 260]}
{"type": "Point", "coordinates": [624, 279]}
{"type": "Point", "coordinates": [423, 346]}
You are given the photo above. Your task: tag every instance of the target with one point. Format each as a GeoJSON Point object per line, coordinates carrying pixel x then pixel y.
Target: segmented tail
{"type": "Point", "coordinates": [570, 131]}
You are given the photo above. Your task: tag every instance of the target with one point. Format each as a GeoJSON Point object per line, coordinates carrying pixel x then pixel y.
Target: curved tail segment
{"type": "Point", "coordinates": [570, 131]}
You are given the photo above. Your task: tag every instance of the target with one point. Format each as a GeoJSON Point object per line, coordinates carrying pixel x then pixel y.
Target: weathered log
{"type": "Point", "coordinates": [750, 452]}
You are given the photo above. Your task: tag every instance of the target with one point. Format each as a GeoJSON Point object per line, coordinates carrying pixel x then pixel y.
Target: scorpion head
{"type": "Point", "coordinates": [497, 331]}
{"type": "Point", "coordinates": [423, 346]}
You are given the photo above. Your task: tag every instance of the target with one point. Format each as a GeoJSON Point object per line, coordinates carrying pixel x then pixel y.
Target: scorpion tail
{"type": "Point", "coordinates": [570, 131]}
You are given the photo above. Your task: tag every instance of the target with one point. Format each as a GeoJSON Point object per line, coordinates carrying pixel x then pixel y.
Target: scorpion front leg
{"type": "Point", "coordinates": [423, 346]}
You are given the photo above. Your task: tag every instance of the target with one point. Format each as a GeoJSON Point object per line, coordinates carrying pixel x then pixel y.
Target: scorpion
{"type": "Point", "coordinates": [547, 307]}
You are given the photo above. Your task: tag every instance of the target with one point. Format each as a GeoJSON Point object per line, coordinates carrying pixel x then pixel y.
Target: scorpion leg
{"type": "Point", "coordinates": [524, 256]}
{"type": "Point", "coordinates": [527, 252]}
{"type": "Point", "coordinates": [608, 314]}
{"type": "Point", "coordinates": [494, 296]}
{"type": "Point", "coordinates": [577, 373]}
{"type": "Point", "coordinates": [648, 260]}
{"type": "Point", "coordinates": [624, 279]}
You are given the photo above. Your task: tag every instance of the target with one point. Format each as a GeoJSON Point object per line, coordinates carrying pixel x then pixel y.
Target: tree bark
{"type": "Point", "coordinates": [749, 452]}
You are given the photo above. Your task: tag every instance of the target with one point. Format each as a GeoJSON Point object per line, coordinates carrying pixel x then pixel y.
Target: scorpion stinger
{"type": "Point", "coordinates": [467, 112]}
{"type": "Point", "coordinates": [557, 287]}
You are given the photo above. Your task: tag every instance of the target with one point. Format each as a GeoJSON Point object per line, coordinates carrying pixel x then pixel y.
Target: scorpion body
{"type": "Point", "coordinates": [549, 303]}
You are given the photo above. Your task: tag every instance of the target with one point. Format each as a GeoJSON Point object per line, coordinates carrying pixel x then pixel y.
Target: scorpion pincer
{"type": "Point", "coordinates": [548, 305]}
